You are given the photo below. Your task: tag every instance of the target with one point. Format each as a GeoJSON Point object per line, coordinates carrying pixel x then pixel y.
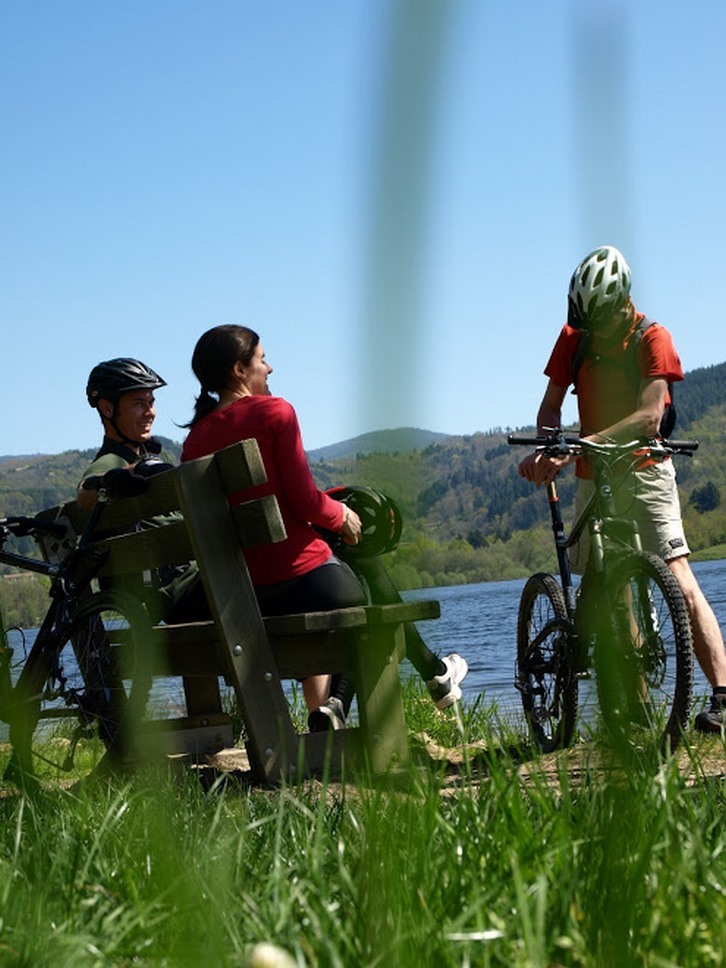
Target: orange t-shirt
{"type": "Point", "coordinates": [605, 391]}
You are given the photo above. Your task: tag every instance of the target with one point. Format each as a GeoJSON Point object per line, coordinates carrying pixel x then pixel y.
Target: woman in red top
{"type": "Point", "coordinates": [301, 573]}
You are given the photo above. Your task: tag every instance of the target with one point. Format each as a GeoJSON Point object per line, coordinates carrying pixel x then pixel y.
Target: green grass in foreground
{"type": "Point", "coordinates": [611, 868]}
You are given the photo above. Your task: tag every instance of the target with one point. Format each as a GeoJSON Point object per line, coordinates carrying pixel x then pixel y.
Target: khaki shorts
{"type": "Point", "coordinates": [649, 497]}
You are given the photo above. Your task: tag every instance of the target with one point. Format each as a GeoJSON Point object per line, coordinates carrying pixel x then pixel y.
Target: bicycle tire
{"type": "Point", "coordinates": [644, 660]}
{"type": "Point", "coordinates": [545, 674]}
{"type": "Point", "coordinates": [5, 674]}
{"type": "Point", "coordinates": [77, 677]}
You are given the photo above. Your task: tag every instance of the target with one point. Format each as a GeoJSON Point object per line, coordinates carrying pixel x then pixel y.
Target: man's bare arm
{"type": "Point", "coordinates": [538, 468]}
{"type": "Point", "coordinates": [645, 420]}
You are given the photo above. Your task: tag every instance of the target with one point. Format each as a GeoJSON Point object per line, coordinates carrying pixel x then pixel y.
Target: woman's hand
{"type": "Point", "coordinates": [351, 528]}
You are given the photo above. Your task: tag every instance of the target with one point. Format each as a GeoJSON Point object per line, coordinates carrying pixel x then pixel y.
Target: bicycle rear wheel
{"type": "Point", "coordinates": [545, 675]}
{"type": "Point", "coordinates": [644, 658]}
{"type": "Point", "coordinates": [71, 690]}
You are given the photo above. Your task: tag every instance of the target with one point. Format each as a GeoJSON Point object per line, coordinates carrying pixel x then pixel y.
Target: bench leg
{"type": "Point", "coordinates": [202, 694]}
{"type": "Point", "coordinates": [380, 701]}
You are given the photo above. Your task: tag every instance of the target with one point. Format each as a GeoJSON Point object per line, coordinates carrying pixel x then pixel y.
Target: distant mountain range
{"type": "Point", "coordinates": [703, 388]}
{"type": "Point", "coordinates": [40, 480]}
{"type": "Point", "coordinates": [399, 441]}
{"type": "Point", "coordinates": [468, 516]}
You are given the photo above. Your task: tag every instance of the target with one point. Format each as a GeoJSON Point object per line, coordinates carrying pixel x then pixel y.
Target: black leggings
{"type": "Point", "coordinates": [330, 585]}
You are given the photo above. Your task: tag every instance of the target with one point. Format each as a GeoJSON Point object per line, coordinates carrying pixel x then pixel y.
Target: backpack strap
{"type": "Point", "coordinates": [668, 420]}
{"type": "Point", "coordinates": [631, 351]}
{"type": "Point", "coordinates": [579, 356]}
{"type": "Point", "coordinates": [630, 357]}
{"type": "Point", "coordinates": [630, 364]}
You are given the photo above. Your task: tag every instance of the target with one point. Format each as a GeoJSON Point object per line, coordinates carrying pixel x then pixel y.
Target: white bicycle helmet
{"type": "Point", "coordinates": [599, 287]}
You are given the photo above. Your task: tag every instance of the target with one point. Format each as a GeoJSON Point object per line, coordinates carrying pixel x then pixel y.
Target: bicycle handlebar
{"type": "Point", "coordinates": [22, 526]}
{"type": "Point", "coordinates": [684, 447]}
{"type": "Point", "coordinates": [559, 443]}
{"type": "Point", "coordinates": [540, 440]}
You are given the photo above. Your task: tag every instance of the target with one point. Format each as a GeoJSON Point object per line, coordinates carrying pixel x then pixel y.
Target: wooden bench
{"type": "Point", "coordinates": [252, 654]}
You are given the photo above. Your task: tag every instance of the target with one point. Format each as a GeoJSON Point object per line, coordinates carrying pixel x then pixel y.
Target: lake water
{"type": "Point", "coordinates": [480, 622]}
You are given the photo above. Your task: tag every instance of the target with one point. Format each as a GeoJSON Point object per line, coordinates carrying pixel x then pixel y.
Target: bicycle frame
{"type": "Point", "coordinates": [70, 578]}
{"type": "Point", "coordinates": [599, 516]}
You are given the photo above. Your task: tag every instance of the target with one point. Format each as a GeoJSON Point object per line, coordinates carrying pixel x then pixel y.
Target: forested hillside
{"type": "Point", "coordinates": [468, 515]}
{"type": "Point", "coordinates": [703, 388]}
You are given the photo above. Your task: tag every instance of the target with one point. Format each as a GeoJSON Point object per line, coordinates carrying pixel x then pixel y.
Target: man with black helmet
{"type": "Point", "coordinates": [613, 405]}
{"type": "Point", "coordinates": [122, 390]}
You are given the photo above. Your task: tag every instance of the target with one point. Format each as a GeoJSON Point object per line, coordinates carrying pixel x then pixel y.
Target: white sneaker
{"type": "Point", "coordinates": [446, 688]}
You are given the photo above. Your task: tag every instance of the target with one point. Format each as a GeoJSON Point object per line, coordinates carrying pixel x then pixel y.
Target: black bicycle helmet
{"type": "Point", "coordinates": [113, 378]}
{"type": "Point", "coordinates": [381, 522]}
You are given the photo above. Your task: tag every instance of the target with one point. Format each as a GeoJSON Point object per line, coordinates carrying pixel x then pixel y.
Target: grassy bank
{"type": "Point", "coordinates": [493, 866]}
{"type": "Point", "coordinates": [715, 553]}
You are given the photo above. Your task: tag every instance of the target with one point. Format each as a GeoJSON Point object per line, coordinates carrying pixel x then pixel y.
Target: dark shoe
{"type": "Point", "coordinates": [328, 716]}
{"type": "Point", "coordinates": [446, 688]}
{"type": "Point", "coordinates": [713, 719]}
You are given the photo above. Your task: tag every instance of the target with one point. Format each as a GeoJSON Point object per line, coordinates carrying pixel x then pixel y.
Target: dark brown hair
{"type": "Point", "coordinates": [215, 354]}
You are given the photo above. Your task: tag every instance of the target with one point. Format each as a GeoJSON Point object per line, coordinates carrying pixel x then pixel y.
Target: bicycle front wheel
{"type": "Point", "coordinates": [545, 675]}
{"type": "Point", "coordinates": [73, 690]}
{"type": "Point", "coordinates": [644, 660]}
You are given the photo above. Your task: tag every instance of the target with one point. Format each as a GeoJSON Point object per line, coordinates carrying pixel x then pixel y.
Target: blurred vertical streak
{"type": "Point", "coordinates": [600, 58]}
{"type": "Point", "coordinates": [404, 129]}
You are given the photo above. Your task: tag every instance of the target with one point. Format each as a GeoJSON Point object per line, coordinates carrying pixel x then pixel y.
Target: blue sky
{"type": "Point", "coordinates": [393, 194]}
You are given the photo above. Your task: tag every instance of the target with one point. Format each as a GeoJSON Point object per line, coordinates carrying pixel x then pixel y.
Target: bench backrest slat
{"type": "Point", "coordinates": [257, 522]}
{"type": "Point", "coordinates": [240, 466]}
{"type": "Point", "coordinates": [150, 548]}
{"type": "Point", "coordinates": [160, 499]}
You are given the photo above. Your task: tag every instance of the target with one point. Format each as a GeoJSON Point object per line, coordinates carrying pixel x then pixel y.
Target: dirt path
{"type": "Point", "coordinates": [463, 766]}
{"type": "Point", "coordinates": [704, 759]}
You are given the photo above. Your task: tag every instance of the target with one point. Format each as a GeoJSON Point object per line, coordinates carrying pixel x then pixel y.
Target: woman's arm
{"type": "Point", "coordinates": [301, 493]}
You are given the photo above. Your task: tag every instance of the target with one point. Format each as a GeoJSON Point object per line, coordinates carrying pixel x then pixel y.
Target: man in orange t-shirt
{"type": "Point", "coordinates": [612, 407]}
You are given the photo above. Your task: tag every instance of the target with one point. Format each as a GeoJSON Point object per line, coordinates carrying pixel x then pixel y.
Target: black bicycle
{"type": "Point", "coordinates": [628, 618]}
{"type": "Point", "coordinates": [70, 675]}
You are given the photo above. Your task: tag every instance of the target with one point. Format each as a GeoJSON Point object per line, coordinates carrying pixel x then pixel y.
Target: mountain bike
{"type": "Point", "coordinates": [627, 620]}
{"type": "Point", "coordinates": [69, 676]}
